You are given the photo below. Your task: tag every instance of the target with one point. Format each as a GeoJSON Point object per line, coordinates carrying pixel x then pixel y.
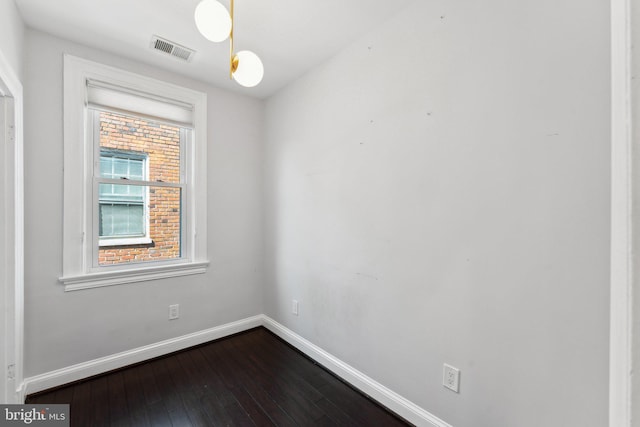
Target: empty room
{"type": "Point", "coordinates": [298, 213]}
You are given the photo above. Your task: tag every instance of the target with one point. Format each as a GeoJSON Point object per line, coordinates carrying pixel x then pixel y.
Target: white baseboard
{"type": "Point", "coordinates": [396, 403]}
{"type": "Point", "coordinates": [392, 400]}
{"type": "Point", "coordinates": [105, 364]}
{"type": "Point", "coordinates": [21, 394]}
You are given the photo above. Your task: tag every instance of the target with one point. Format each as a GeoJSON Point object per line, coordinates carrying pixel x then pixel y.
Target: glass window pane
{"type": "Point", "coordinates": [120, 190]}
{"type": "Point", "coordinates": [122, 193]}
{"type": "Point", "coordinates": [154, 226]}
{"type": "Point", "coordinates": [121, 220]}
{"type": "Point", "coordinates": [136, 169]}
{"type": "Point", "coordinates": [121, 168]}
{"type": "Point", "coordinates": [104, 190]}
{"type": "Point", "coordinates": [136, 192]}
{"type": "Point", "coordinates": [105, 167]}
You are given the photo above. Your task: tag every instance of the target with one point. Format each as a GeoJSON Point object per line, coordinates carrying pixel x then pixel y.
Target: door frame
{"type": "Point", "coordinates": [623, 267]}
{"type": "Point", "coordinates": [12, 233]}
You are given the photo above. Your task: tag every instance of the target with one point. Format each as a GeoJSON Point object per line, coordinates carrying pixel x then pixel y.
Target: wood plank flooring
{"type": "Point", "coordinates": [250, 379]}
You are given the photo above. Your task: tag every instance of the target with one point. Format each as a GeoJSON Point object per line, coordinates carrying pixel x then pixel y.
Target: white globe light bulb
{"type": "Point", "coordinates": [213, 20]}
{"type": "Point", "coordinates": [250, 69]}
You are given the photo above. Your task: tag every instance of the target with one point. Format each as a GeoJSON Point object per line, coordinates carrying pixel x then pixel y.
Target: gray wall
{"type": "Point", "coordinates": [11, 35]}
{"type": "Point", "coordinates": [61, 328]}
{"type": "Point", "coordinates": [439, 192]}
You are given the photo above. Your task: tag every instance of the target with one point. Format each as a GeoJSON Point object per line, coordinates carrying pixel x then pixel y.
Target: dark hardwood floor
{"type": "Point", "coordinates": [249, 379]}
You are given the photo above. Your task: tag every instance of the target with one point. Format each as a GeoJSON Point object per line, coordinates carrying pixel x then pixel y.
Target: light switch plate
{"type": "Point", "coordinates": [294, 307]}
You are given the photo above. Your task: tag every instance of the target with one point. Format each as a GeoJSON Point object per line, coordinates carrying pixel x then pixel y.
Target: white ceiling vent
{"type": "Point", "coordinates": [171, 48]}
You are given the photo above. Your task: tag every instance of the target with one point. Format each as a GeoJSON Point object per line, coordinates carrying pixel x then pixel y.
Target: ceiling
{"type": "Point", "coordinates": [290, 36]}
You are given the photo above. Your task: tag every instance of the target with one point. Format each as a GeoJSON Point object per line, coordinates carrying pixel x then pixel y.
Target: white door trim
{"type": "Point", "coordinates": [621, 316]}
{"type": "Point", "coordinates": [13, 262]}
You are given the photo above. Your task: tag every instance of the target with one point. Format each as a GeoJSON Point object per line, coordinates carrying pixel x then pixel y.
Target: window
{"type": "Point", "coordinates": [140, 185]}
{"type": "Point", "coordinates": [122, 209]}
{"type": "Point", "coordinates": [135, 160]}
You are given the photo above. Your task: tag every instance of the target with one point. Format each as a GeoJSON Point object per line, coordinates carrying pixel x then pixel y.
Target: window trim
{"type": "Point", "coordinates": [78, 271]}
{"type": "Point", "coordinates": [141, 274]}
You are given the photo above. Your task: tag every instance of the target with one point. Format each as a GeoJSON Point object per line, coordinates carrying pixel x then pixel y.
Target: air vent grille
{"type": "Point", "coordinates": [182, 53]}
{"type": "Point", "coordinates": [171, 48]}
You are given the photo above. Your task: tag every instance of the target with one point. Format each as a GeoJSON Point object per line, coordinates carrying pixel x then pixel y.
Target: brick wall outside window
{"type": "Point", "coordinates": [161, 144]}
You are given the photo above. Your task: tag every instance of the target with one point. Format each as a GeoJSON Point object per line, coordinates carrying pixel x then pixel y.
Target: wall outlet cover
{"type": "Point", "coordinates": [451, 378]}
{"type": "Point", "coordinates": [174, 311]}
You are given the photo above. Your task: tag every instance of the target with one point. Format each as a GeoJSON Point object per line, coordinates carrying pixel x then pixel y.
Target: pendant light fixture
{"type": "Point", "coordinates": [216, 24]}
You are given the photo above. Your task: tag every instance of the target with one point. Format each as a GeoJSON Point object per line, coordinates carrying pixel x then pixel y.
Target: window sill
{"type": "Point", "coordinates": [125, 242]}
{"type": "Point", "coordinates": [120, 277]}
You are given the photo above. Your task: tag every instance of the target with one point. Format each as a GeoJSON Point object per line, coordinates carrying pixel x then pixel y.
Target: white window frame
{"type": "Point", "coordinates": [78, 269]}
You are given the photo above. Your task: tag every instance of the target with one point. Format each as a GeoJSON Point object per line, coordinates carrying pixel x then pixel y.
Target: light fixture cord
{"type": "Point", "coordinates": [231, 45]}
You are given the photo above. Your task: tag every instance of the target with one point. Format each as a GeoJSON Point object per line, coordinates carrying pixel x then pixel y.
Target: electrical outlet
{"type": "Point", "coordinates": [174, 311]}
{"type": "Point", "coordinates": [11, 371]}
{"type": "Point", "coordinates": [451, 378]}
{"type": "Point", "coordinates": [294, 307]}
